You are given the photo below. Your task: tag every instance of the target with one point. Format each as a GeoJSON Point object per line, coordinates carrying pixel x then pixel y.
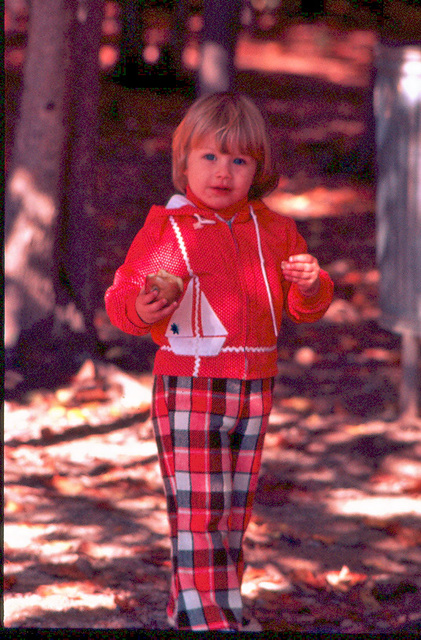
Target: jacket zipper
{"type": "Point", "coordinates": [237, 251]}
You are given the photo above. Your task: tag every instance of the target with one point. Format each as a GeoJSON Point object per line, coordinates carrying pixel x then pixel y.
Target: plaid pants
{"type": "Point", "coordinates": [209, 434]}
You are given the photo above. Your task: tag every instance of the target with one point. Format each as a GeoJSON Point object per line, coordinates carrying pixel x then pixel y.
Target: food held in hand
{"type": "Point", "coordinates": [168, 286]}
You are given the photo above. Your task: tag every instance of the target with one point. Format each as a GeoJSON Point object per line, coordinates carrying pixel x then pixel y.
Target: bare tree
{"type": "Point", "coordinates": [49, 190]}
{"type": "Point", "coordinates": [76, 237]}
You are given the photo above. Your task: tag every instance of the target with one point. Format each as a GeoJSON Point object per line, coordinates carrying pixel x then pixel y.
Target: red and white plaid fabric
{"type": "Point", "coordinates": [209, 434]}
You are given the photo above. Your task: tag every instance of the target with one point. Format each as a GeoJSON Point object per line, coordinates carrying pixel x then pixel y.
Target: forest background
{"type": "Point", "coordinates": [334, 543]}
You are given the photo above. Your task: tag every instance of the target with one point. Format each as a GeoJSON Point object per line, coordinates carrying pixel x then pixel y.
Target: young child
{"type": "Point", "coordinates": [242, 266]}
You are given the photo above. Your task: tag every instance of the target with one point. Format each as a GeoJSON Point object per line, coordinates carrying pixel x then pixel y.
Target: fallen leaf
{"type": "Point", "coordinates": [308, 578]}
{"type": "Point", "coordinates": [413, 488]}
{"type": "Point", "coordinates": [253, 573]}
{"type": "Point", "coordinates": [344, 579]}
{"type": "Point", "coordinates": [276, 440]}
{"type": "Point", "coordinates": [270, 585]}
{"type": "Point", "coordinates": [64, 395]}
{"type": "Point", "coordinates": [126, 389]}
{"type": "Point", "coordinates": [67, 589]}
{"type": "Point", "coordinates": [126, 604]}
{"type": "Point", "coordinates": [56, 412]}
{"type": "Point", "coordinates": [67, 486]}
{"type": "Point", "coordinates": [79, 570]}
{"type": "Point", "coordinates": [257, 533]}
{"type": "Point", "coordinates": [267, 578]}
{"type": "Point", "coordinates": [297, 403]}
{"type": "Point", "coordinates": [56, 547]}
{"type": "Point", "coordinates": [75, 416]}
{"type": "Point", "coordinates": [9, 582]}
{"type": "Point", "coordinates": [13, 507]}
{"type": "Point", "coordinates": [90, 395]}
{"type": "Point", "coordinates": [249, 589]}
{"type": "Point", "coordinates": [85, 373]}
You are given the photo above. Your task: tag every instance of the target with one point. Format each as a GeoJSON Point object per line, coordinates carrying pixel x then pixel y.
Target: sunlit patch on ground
{"type": "Point", "coordinates": [375, 506]}
{"type": "Point", "coordinates": [310, 50]}
{"type": "Point", "coordinates": [320, 202]}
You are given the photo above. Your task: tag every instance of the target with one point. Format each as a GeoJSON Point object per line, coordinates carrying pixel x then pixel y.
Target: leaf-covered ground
{"type": "Point", "coordinates": [334, 543]}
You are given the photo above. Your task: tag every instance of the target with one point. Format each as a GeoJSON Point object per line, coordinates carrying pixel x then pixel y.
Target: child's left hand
{"type": "Point", "coordinates": [304, 270]}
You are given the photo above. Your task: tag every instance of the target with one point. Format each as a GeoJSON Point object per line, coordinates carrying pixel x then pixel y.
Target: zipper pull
{"type": "Point", "coordinates": [201, 221]}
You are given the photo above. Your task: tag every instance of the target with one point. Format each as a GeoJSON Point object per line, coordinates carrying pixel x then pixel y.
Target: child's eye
{"type": "Point", "coordinates": [239, 161]}
{"type": "Point", "coordinates": [209, 156]}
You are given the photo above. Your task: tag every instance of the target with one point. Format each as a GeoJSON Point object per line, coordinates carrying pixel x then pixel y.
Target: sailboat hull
{"type": "Point", "coordinates": [197, 345]}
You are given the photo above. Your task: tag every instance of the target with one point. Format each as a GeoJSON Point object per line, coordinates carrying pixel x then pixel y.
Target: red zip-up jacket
{"type": "Point", "coordinates": [228, 319]}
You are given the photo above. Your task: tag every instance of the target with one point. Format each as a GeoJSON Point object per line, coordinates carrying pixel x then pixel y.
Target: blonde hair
{"type": "Point", "coordinates": [238, 126]}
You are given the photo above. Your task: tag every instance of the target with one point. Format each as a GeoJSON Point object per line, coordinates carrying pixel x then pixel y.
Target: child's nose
{"type": "Point", "coordinates": [223, 168]}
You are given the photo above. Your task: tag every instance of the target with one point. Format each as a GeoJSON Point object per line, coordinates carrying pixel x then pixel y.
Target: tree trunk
{"type": "Point", "coordinates": [52, 151]}
{"type": "Point", "coordinates": [220, 31]}
{"type": "Point", "coordinates": [76, 240]}
{"type": "Point", "coordinates": [32, 193]}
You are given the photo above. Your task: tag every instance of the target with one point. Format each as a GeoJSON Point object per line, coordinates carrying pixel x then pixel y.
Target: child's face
{"type": "Point", "coordinates": [219, 179]}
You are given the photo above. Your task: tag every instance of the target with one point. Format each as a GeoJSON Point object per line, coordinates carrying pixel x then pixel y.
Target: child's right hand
{"type": "Point", "coordinates": [151, 310]}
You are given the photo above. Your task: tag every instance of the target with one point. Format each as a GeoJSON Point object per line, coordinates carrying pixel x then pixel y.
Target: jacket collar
{"type": "Point", "coordinates": [241, 209]}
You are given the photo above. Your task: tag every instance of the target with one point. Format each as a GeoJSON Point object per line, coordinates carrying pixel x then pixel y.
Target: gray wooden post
{"type": "Point", "coordinates": [220, 30]}
{"type": "Point", "coordinates": [410, 379]}
{"type": "Point", "coordinates": [397, 106]}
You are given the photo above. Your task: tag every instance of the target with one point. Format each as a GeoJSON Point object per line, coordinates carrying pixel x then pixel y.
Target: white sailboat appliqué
{"type": "Point", "coordinates": [183, 331]}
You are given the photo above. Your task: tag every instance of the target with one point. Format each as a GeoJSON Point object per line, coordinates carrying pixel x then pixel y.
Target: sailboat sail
{"type": "Point", "coordinates": [180, 324]}
{"type": "Point", "coordinates": [211, 324]}
{"type": "Point", "coordinates": [183, 332]}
